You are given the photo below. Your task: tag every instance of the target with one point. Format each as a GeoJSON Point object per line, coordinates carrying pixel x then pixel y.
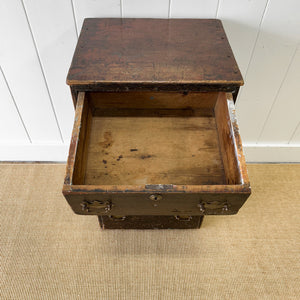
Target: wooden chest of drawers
{"type": "Point", "coordinates": [155, 142]}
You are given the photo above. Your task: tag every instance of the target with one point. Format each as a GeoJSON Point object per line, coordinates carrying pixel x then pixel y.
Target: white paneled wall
{"type": "Point", "coordinates": [55, 38]}
{"type": "Point", "coordinates": [193, 9]}
{"type": "Point", "coordinates": [39, 36]}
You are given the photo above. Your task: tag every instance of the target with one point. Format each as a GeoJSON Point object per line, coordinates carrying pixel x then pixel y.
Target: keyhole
{"type": "Point", "coordinates": [155, 197]}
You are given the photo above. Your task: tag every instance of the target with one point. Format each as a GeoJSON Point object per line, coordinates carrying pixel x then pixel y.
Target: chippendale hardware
{"type": "Point", "coordinates": [213, 205]}
{"type": "Point", "coordinates": [96, 205]}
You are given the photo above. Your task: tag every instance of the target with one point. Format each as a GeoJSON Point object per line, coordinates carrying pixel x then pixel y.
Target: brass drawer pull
{"type": "Point", "coordinates": [96, 206]}
{"type": "Point", "coordinates": [213, 205]}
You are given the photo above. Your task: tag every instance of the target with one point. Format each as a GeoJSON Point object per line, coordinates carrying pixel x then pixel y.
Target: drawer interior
{"type": "Point", "coordinates": [148, 138]}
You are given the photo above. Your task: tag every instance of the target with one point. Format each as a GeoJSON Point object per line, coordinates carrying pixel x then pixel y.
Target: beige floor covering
{"type": "Point", "coordinates": [50, 253]}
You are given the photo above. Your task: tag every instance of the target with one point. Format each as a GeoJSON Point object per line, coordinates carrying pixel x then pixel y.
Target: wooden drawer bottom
{"type": "Point", "coordinates": [150, 222]}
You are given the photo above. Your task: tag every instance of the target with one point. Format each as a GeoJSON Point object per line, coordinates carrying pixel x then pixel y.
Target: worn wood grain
{"type": "Point", "coordinates": [133, 129]}
{"type": "Point", "coordinates": [241, 161]}
{"type": "Point", "coordinates": [156, 100]}
{"type": "Point", "coordinates": [196, 163]}
{"type": "Point", "coordinates": [152, 188]}
{"type": "Point", "coordinates": [150, 222]}
{"type": "Point", "coordinates": [82, 147]}
{"type": "Point", "coordinates": [135, 53]}
{"type": "Point", "coordinates": [77, 155]}
{"type": "Point", "coordinates": [139, 203]}
{"type": "Point", "coordinates": [152, 104]}
{"type": "Point", "coordinates": [227, 141]}
{"type": "Point", "coordinates": [154, 150]}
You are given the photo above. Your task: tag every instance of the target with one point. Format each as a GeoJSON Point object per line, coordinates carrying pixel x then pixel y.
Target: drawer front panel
{"type": "Point", "coordinates": [156, 204]}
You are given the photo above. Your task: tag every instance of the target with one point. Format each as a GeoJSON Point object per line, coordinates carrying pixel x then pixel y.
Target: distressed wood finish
{"type": "Point", "coordinates": [155, 142]}
{"type": "Point", "coordinates": [150, 222]}
{"type": "Point", "coordinates": [152, 100]}
{"type": "Point", "coordinates": [153, 54]}
{"type": "Point", "coordinates": [195, 163]}
{"type": "Point", "coordinates": [227, 141]}
{"type": "Point", "coordinates": [75, 140]}
{"type": "Point", "coordinates": [154, 150]}
{"type": "Point", "coordinates": [152, 104]}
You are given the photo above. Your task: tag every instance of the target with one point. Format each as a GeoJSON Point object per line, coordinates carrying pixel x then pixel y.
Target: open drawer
{"type": "Point", "coordinates": [155, 153]}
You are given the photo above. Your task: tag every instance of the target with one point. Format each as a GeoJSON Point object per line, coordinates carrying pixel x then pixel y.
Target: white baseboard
{"type": "Point", "coordinates": [34, 152]}
{"type": "Point", "coordinates": [272, 153]}
{"type": "Point", "coordinates": [59, 152]}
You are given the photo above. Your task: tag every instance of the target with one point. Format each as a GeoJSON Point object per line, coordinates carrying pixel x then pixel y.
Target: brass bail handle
{"type": "Point", "coordinates": [96, 206]}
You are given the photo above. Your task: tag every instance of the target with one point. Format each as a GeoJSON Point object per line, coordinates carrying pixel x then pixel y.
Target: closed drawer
{"type": "Point", "coordinates": [152, 153]}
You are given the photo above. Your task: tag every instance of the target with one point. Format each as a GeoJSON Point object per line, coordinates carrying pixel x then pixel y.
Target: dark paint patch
{"type": "Point", "coordinates": [104, 161]}
{"type": "Point", "coordinates": [133, 150]}
{"type": "Point", "coordinates": [119, 158]}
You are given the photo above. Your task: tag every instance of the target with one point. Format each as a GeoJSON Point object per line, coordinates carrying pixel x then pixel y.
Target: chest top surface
{"type": "Point", "coordinates": [156, 52]}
